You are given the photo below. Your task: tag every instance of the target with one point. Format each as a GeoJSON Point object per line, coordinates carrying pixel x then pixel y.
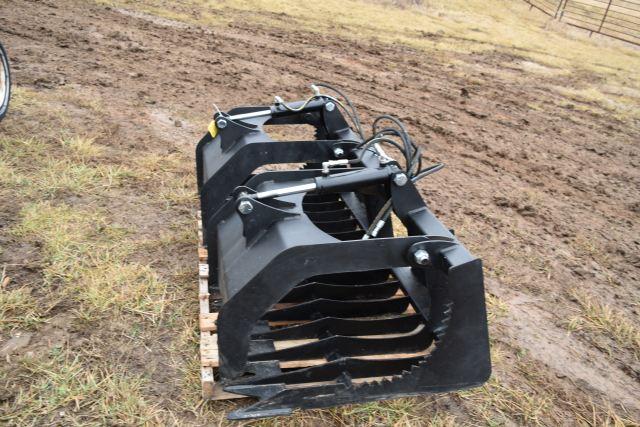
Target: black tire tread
{"type": "Point", "coordinates": [4, 104]}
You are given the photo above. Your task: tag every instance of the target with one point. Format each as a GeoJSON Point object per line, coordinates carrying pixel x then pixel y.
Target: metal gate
{"type": "Point", "coordinates": [619, 19]}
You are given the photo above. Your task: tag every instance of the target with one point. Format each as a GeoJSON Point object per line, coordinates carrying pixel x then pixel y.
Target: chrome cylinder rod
{"type": "Point", "coordinates": [304, 188]}
{"type": "Point", "coordinates": [251, 115]}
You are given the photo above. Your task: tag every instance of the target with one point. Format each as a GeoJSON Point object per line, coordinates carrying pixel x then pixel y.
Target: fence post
{"type": "Point", "coordinates": [560, 10]}
{"type": "Point", "coordinates": [606, 12]}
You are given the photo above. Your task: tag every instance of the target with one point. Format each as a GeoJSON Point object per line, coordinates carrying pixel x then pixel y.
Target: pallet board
{"type": "Point", "coordinates": [209, 361]}
{"type": "Point", "coordinates": [207, 323]}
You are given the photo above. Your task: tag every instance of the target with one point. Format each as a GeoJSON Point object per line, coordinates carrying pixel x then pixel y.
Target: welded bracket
{"type": "Point", "coordinates": [259, 216]}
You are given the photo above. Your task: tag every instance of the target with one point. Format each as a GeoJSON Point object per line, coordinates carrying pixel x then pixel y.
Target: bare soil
{"type": "Point", "coordinates": [547, 194]}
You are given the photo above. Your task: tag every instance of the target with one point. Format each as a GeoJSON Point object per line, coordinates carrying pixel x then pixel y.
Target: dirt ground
{"type": "Point", "coordinates": [545, 189]}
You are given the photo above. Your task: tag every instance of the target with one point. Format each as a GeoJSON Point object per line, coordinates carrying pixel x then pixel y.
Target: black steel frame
{"type": "Point", "coordinates": [301, 257]}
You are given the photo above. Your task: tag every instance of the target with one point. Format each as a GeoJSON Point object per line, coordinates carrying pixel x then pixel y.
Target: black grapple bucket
{"type": "Point", "coordinates": [319, 304]}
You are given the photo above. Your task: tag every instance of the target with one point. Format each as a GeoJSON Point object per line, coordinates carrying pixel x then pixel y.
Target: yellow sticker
{"type": "Point", "coordinates": [213, 129]}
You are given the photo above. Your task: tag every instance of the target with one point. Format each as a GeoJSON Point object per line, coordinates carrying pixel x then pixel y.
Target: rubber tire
{"type": "Point", "coordinates": [4, 103]}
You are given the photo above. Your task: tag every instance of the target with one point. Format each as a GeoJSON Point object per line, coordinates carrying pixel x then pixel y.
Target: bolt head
{"type": "Point", "coordinates": [338, 152]}
{"type": "Point", "coordinates": [221, 123]}
{"type": "Point", "coordinates": [245, 207]}
{"type": "Point", "coordinates": [400, 179]}
{"type": "Point", "coordinates": [421, 257]}
{"type": "Point", "coordinates": [330, 106]}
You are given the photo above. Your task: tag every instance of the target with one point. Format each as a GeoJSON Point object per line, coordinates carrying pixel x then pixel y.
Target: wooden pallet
{"type": "Point", "coordinates": [209, 361]}
{"type": "Point", "coordinates": [207, 322]}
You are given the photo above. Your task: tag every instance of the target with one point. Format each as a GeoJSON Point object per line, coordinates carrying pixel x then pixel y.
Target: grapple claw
{"type": "Point", "coordinates": [321, 304]}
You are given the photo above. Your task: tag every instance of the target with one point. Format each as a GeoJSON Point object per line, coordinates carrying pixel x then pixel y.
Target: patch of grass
{"type": "Point", "coordinates": [158, 165]}
{"type": "Point", "coordinates": [620, 105]}
{"type": "Point", "coordinates": [22, 98]}
{"type": "Point", "coordinates": [387, 413]}
{"type": "Point", "coordinates": [89, 256]}
{"type": "Point", "coordinates": [15, 150]}
{"type": "Point", "coordinates": [9, 176]}
{"type": "Point", "coordinates": [599, 318]}
{"type": "Point", "coordinates": [581, 405]}
{"type": "Point", "coordinates": [81, 147]}
{"type": "Point", "coordinates": [68, 236]}
{"type": "Point", "coordinates": [171, 177]}
{"type": "Point", "coordinates": [28, 165]}
{"type": "Point", "coordinates": [534, 67]}
{"type": "Point", "coordinates": [185, 358]}
{"type": "Point", "coordinates": [603, 415]}
{"type": "Point", "coordinates": [18, 309]}
{"type": "Point", "coordinates": [179, 194]}
{"type": "Point", "coordinates": [121, 287]}
{"type": "Point", "coordinates": [64, 390]}
{"type": "Point", "coordinates": [496, 307]}
{"type": "Point", "coordinates": [179, 234]}
{"type": "Point", "coordinates": [442, 420]}
{"type": "Point", "coordinates": [58, 176]}
{"type": "Point", "coordinates": [498, 404]}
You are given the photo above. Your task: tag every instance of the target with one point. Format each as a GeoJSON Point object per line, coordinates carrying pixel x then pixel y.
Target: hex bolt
{"type": "Point", "coordinates": [421, 257]}
{"type": "Point", "coordinates": [330, 106]}
{"type": "Point", "coordinates": [221, 124]}
{"type": "Point", "coordinates": [245, 207]}
{"type": "Point", "coordinates": [400, 179]}
{"type": "Point", "coordinates": [338, 152]}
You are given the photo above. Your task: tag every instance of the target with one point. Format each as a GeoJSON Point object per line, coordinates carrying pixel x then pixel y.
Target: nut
{"type": "Point", "coordinates": [330, 106]}
{"type": "Point", "coordinates": [421, 257]}
{"type": "Point", "coordinates": [400, 179]}
{"type": "Point", "coordinates": [245, 207]}
{"type": "Point", "coordinates": [338, 152]}
{"type": "Point", "coordinates": [221, 123]}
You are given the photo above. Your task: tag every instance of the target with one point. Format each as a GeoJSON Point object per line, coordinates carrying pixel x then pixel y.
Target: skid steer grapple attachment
{"type": "Point", "coordinates": [319, 304]}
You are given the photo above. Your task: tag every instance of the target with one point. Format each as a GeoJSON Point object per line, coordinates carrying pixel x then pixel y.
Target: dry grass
{"type": "Point", "coordinates": [64, 390]}
{"type": "Point", "coordinates": [170, 176]}
{"type": "Point", "coordinates": [598, 318]}
{"type": "Point", "coordinates": [397, 412]}
{"type": "Point", "coordinates": [90, 257]}
{"type": "Point", "coordinates": [534, 398]}
{"type": "Point", "coordinates": [496, 307]}
{"type": "Point", "coordinates": [67, 235]}
{"type": "Point", "coordinates": [620, 106]}
{"type": "Point", "coordinates": [18, 309]}
{"type": "Point", "coordinates": [116, 287]}
{"type": "Point", "coordinates": [496, 404]}
{"type": "Point", "coordinates": [30, 169]}
{"type": "Point", "coordinates": [390, 413]}
{"type": "Point", "coordinates": [82, 148]}
{"type": "Point", "coordinates": [22, 98]}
